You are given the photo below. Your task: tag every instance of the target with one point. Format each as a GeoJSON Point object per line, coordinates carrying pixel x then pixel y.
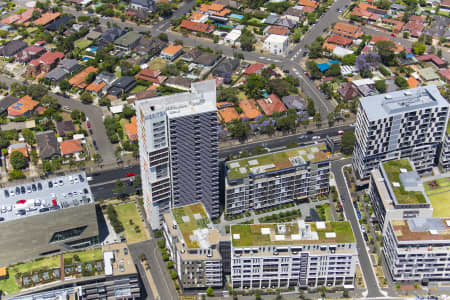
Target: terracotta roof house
{"type": "Point", "coordinates": [445, 4]}
{"type": "Point", "coordinates": [339, 40]}
{"type": "Point", "coordinates": [11, 19]}
{"type": "Point", "coordinates": [348, 91]}
{"type": "Point", "coordinates": [412, 82]}
{"type": "Point", "coordinates": [45, 63]}
{"type": "Point", "coordinates": [415, 28]}
{"type": "Point", "coordinates": [26, 16]}
{"type": "Point", "coordinates": [311, 5]}
{"type": "Point", "coordinates": [378, 38]}
{"type": "Point", "coordinates": [197, 27]}
{"type": "Point", "coordinates": [150, 75]}
{"type": "Point", "coordinates": [254, 69]}
{"type": "Point", "coordinates": [416, 18]}
{"type": "Point", "coordinates": [29, 53]}
{"type": "Point", "coordinates": [278, 30]}
{"type": "Point", "coordinates": [96, 87]}
{"type": "Point", "coordinates": [446, 74]}
{"type": "Point", "coordinates": [79, 79]}
{"type": "Point", "coordinates": [198, 17]}
{"type": "Point", "coordinates": [397, 24]}
{"type": "Point", "coordinates": [348, 30]}
{"type": "Point", "coordinates": [46, 18]}
{"type": "Point", "coordinates": [226, 112]}
{"type": "Point", "coordinates": [433, 58]}
{"type": "Point", "coordinates": [63, 127]}
{"type": "Point", "coordinates": [23, 107]}
{"type": "Point", "coordinates": [7, 102]}
{"type": "Point", "coordinates": [215, 10]}
{"type": "Point", "coordinates": [131, 130]}
{"type": "Point", "coordinates": [271, 104]}
{"type": "Point", "coordinates": [21, 147]}
{"type": "Point", "coordinates": [172, 52]}
{"type": "Point", "coordinates": [249, 109]}
{"type": "Point", "coordinates": [13, 47]}
{"type": "Point", "coordinates": [47, 145]}
{"type": "Point", "coordinates": [70, 148]}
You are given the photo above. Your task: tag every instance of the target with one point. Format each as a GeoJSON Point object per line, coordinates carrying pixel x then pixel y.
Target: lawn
{"type": "Point", "coordinates": [157, 63]}
{"type": "Point", "coordinates": [9, 285]}
{"type": "Point", "coordinates": [127, 212]}
{"type": "Point", "coordinates": [86, 255]}
{"type": "Point", "coordinates": [138, 88]}
{"type": "Point", "coordinates": [190, 222]}
{"type": "Point", "coordinates": [438, 191]}
{"type": "Point", "coordinates": [82, 43]}
{"type": "Point", "coordinates": [324, 212]}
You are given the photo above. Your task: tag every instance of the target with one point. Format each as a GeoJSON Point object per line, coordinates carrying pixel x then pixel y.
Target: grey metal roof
{"type": "Point", "coordinates": [70, 65]}
{"type": "Point", "coordinates": [57, 74]}
{"type": "Point", "coordinates": [6, 102]}
{"type": "Point", "coordinates": [426, 224]}
{"type": "Point", "coordinates": [399, 102]}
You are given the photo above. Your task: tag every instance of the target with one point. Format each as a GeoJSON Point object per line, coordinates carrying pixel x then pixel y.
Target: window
{"type": "Point", "coordinates": [67, 234]}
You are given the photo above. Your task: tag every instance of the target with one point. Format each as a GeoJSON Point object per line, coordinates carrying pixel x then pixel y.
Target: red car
{"type": "Point", "coordinates": [88, 125]}
{"type": "Point", "coordinates": [54, 203]}
{"type": "Point", "coordinates": [341, 132]}
{"type": "Point", "coordinates": [21, 202]}
{"type": "Point", "coordinates": [393, 35]}
{"type": "Point", "coordinates": [130, 174]}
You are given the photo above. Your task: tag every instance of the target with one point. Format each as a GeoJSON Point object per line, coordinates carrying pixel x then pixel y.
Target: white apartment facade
{"type": "Point", "coordinates": [276, 44]}
{"type": "Point", "coordinates": [409, 123]}
{"type": "Point", "coordinates": [278, 259]}
{"type": "Point", "coordinates": [444, 158]}
{"type": "Point", "coordinates": [178, 147]}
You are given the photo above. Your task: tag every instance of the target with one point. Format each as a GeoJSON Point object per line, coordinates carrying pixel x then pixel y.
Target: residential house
{"type": "Point", "coordinates": [438, 27]}
{"type": "Point", "coordinates": [44, 64]}
{"type": "Point", "coordinates": [366, 87]}
{"type": "Point", "coordinates": [29, 53]}
{"type": "Point", "coordinates": [254, 69]}
{"type": "Point", "coordinates": [131, 130]}
{"type": "Point", "coordinates": [11, 48]}
{"type": "Point", "coordinates": [271, 104]}
{"type": "Point", "coordinates": [216, 12]}
{"type": "Point", "coordinates": [294, 102]}
{"type": "Point", "coordinates": [396, 8]}
{"type": "Point", "coordinates": [79, 80]}
{"type": "Point", "coordinates": [428, 74]}
{"type": "Point", "coordinates": [142, 95]}
{"type": "Point", "coordinates": [121, 86]}
{"type": "Point", "coordinates": [47, 145]}
{"type": "Point", "coordinates": [412, 82]}
{"type": "Point", "coordinates": [249, 108]}
{"type": "Point", "coordinates": [21, 147]}
{"type": "Point", "coordinates": [172, 52]}
{"type": "Point", "coordinates": [276, 44]}
{"type": "Point", "coordinates": [339, 40]}
{"type": "Point", "coordinates": [56, 24]}
{"type": "Point", "coordinates": [198, 17]}
{"type": "Point", "coordinates": [93, 35]}
{"type": "Point", "coordinates": [145, 5]}
{"type": "Point", "coordinates": [19, 18]}
{"type": "Point", "coordinates": [378, 38]}
{"type": "Point", "coordinates": [226, 112]}
{"type": "Point", "coordinates": [308, 6]}
{"type": "Point", "coordinates": [294, 14]}
{"type": "Point", "coordinates": [414, 28]}
{"type": "Point", "coordinates": [101, 83]}
{"type": "Point", "coordinates": [232, 37]}
{"type": "Point", "coordinates": [444, 73]}
{"type": "Point", "coordinates": [180, 83]}
{"type": "Point", "coordinates": [225, 68]}
{"type": "Point", "coordinates": [445, 5]}
{"type": "Point", "coordinates": [348, 91]}
{"type": "Point", "coordinates": [110, 35]}
{"type": "Point", "coordinates": [128, 41]}
{"type": "Point", "coordinates": [347, 30]}
{"type": "Point", "coordinates": [23, 107]}
{"type": "Point", "coordinates": [276, 29]}
{"type": "Point", "coordinates": [286, 22]}
{"type": "Point", "coordinates": [396, 24]}
{"type": "Point", "coordinates": [7, 102]}
{"type": "Point", "coordinates": [63, 127]}
{"type": "Point", "coordinates": [65, 68]}
{"type": "Point", "coordinates": [150, 46]}
{"type": "Point", "coordinates": [71, 148]}
{"type": "Point", "coordinates": [46, 18]}
{"type": "Point", "coordinates": [270, 20]}
{"type": "Point", "coordinates": [151, 75]}
{"type": "Point", "coordinates": [439, 62]}
{"type": "Point", "coordinates": [191, 54]}
{"type": "Point", "coordinates": [197, 27]}
{"type": "Point", "coordinates": [206, 59]}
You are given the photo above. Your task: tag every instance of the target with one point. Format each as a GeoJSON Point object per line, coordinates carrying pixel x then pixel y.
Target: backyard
{"type": "Point", "coordinates": [157, 63]}
{"type": "Point", "coordinates": [131, 220]}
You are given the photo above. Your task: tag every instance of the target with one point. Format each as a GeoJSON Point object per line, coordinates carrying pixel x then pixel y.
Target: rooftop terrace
{"type": "Point", "coordinates": [422, 229]}
{"type": "Point", "coordinates": [393, 170]}
{"type": "Point", "coordinates": [438, 192]}
{"type": "Point", "coordinates": [299, 233]}
{"type": "Point", "coordinates": [275, 161]}
{"type": "Point", "coordinates": [192, 221]}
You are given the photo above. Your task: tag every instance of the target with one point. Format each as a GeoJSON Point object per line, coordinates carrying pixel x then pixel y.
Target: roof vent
{"type": "Point", "coordinates": [388, 97]}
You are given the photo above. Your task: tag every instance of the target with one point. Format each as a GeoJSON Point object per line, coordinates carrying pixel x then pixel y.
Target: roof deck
{"type": "Point", "coordinates": [38, 197]}
{"type": "Point", "coordinates": [422, 229]}
{"type": "Point", "coordinates": [275, 161]}
{"type": "Point", "coordinates": [299, 233]}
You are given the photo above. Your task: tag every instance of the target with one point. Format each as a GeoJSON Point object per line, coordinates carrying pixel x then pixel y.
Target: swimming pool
{"type": "Point", "coordinates": [236, 16]}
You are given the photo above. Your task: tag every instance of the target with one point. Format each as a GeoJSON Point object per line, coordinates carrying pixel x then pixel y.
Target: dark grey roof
{"type": "Point", "coordinates": [206, 59]}
{"type": "Point", "coordinates": [64, 126]}
{"type": "Point", "coordinates": [6, 102]}
{"type": "Point", "coordinates": [271, 20]}
{"type": "Point", "coordinates": [438, 27]}
{"type": "Point", "coordinates": [147, 4]}
{"type": "Point", "coordinates": [191, 54]}
{"type": "Point", "coordinates": [111, 35]}
{"type": "Point", "coordinates": [227, 65]}
{"type": "Point", "coordinates": [123, 82]}
{"type": "Point", "coordinates": [291, 11]}
{"type": "Point", "coordinates": [71, 65]}
{"type": "Point", "coordinates": [396, 6]}
{"type": "Point", "coordinates": [179, 81]}
{"type": "Point", "coordinates": [56, 24]}
{"type": "Point", "coordinates": [12, 48]}
{"type": "Point", "coordinates": [57, 74]}
{"type": "Point", "coordinates": [47, 144]}
{"type": "Point", "coordinates": [285, 22]}
{"type": "Point", "coordinates": [106, 77]}
{"type": "Point", "coordinates": [294, 102]}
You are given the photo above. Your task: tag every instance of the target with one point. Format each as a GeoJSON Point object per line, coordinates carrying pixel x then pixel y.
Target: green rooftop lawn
{"type": "Point", "coordinates": [392, 169]}
{"type": "Point", "coordinates": [187, 228]}
{"type": "Point", "coordinates": [279, 159]}
{"type": "Point", "coordinates": [86, 255]}
{"type": "Point", "coordinates": [250, 235]}
{"type": "Point", "coordinates": [438, 191]}
{"type": "Point", "coordinates": [82, 43]}
{"type": "Point", "coordinates": [127, 212]}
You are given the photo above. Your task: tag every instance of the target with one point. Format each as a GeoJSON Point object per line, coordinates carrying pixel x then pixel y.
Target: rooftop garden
{"type": "Point", "coordinates": [275, 161]}
{"type": "Point", "coordinates": [393, 170]}
{"type": "Point", "coordinates": [190, 218]}
{"type": "Point", "coordinates": [251, 235]}
{"type": "Point", "coordinates": [438, 191]}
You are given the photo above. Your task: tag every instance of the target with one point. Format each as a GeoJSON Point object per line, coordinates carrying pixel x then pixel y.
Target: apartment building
{"type": "Point", "coordinates": [417, 250]}
{"type": "Point", "coordinates": [293, 255]}
{"type": "Point", "coordinates": [397, 192]}
{"type": "Point", "coordinates": [444, 158]}
{"type": "Point", "coordinates": [276, 178]}
{"type": "Point", "coordinates": [178, 145]}
{"type": "Point", "coordinates": [195, 247]}
{"type": "Point", "coordinates": [409, 123]}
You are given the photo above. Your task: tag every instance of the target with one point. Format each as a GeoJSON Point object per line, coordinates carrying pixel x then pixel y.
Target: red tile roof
{"type": "Point", "coordinates": [249, 108]}
{"type": "Point", "coordinates": [70, 147]}
{"type": "Point", "coordinates": [446, 74]}
{"type": "Point", "coordinates": [46, 18]}
{"type": "Point", "coordinates": [79, 79]}
{"type": "Point", "coordinates": [378, 38]}
{"type": "Point", "coordinates": [348, 30]}
{"type": "Point", "coordinates": [415, 28]}
{"type": "Point", "coordinates": [271, 105]}
{"type": "Point", "coordinates": [131, 129]}
{"type": "Point", "coordinates": [195, 26]}
{"type": "Point", "coordinates": [339, 40]}
{"type": "Point", "coordinates": [150, 75]}
{"type": "Point", "coordinates": [278, 30]}
{"type": "Point", "coordinates": [412, 82]}
{"type": "Point", "coordinates": [434, 58]}
{"type": "Point", "coordinates": [50, 58]}
{"type": "Point", "coordinates": [308, 3]}
{"type": "Point", "coordinates": [21, 107]}
{"type": "Point", "coordinates": [252, 69]}
{"type": "Point", "coordinates": [227, 112]}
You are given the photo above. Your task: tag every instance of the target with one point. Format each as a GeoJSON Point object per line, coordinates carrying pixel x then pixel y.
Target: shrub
{"type": "Point", "coordinates": [161, 244]}
{"type": "Point", "coordinates": [173, 275]}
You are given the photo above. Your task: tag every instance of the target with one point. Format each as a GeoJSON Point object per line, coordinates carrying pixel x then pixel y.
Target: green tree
{"type": "Point", "coordinates": [385, 50]}
{"type": "Point", "coordinates": [16, 174]}
{"type": "Point", "coordinates": [210, 292]}
{"type": "Point", "coordinates": [247, 40]}
{"type": "Point", "coordinates": [164, 9]}
{"type": "Point", "coordinates": [310, 108]}
{"type": "Point", "coordinates": [316, 50]}
{"type": "Point", "coordinates": [348, 142]}
{"type": "Point", "coordinates": [349, 59]}
{"type": "Point", "coordinates": [313, 69]}
{"type": "Point", "coordinates": [29, 137]}
{"type": "Point", "coordinates": [128, 111]}
{"type": "Point", "coordinates": [239, 129]}
{"type": "Point", "coordinates": [163, 37]}
{"type": "Point", "coordinates": [254, 86]}
{"type": "Point", "coordinates": [401, 82]}
{"type": "Point", "coordinates": [380, 85]}
{"type": "Point", "coordinates": [64, 85]}
{"type": "Point", "coordinates": [18, 160]}
{"type": "Point", "coordinates": [228, 94]}
{"type": "Point", "coordinates": [119, 188]}
{"type": "Point", "coordinates": [173, 275]}
{"type": "Point", "coordinates": [280, 87]}
{"type": "Point", "coordinates": [98, 159]}
{"type": "Point", "coordinates": [419, 48]}
{"type": "Point", "coordinates": [90, 77]}
{"type": "Point", "coordinates": [334, 70]}
{"type": "Point", "coordinates": [86, 98]}
{"type": "Point", "coordinates": [383, 4]}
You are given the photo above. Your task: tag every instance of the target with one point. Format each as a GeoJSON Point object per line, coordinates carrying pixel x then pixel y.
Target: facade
{"type": "Point", "coordinates": [178, 145]}
{"type": "Point", "coordinates": [409, 123]}
{"type": "Point", "coordinates": [387, 188]}
{"type": "Point", "coordinates": [293, 255]}
{"type": "Point", "coordinates": [416, 250]}
{"type": "Point", "coordinates": [272, 179]}
{"type": "Point", "coordinates": [276, 44]}
{"type": "Point", "coordinates": [444, 158]}
{"type": "Point", "coordinates": [193, 245]}
{"type": "Point", "coordinates": [64, 206]}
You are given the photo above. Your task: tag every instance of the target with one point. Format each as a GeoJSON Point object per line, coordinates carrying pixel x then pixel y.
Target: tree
{"type": "Point", "coordinates": [18, 160]}
{"type": "Point", "coordinates": [254, 86]}
{"type": "Point", "coordinates": [316, 50]}
{"type": "Point", "coordinates": [16, 174]}
{"type": "Point", "coordinates": [310, 108]}
{"type": "Point", "coordinates": [247, 40]}
{"type": "Point", "coordinates": [401, 82]}
{"type": "Point", "coordinates": [210, 292]}
{"type": "Point", "coordinates": [98, 159]}
{"type": "Point", "coordinates": [164, 9]}
{"type": "Point", "coordinates": [86, 98]}
{"type": "Point", "coordinates": [64, 85]}
{"type": "Point", "coordinates": [36, 14]}
{"type": "Point", "coordinates": [163, 37]}
{"type": "Point", "coordinates": [37, 91]}
{"type": "Point", "coordinates": [173, 275]}
{"type": "Point", "coordinates": [383, 4]}
{"type": "Point", "coordinates": [228, 94]}
{"type": "Point", "coordinates": [280, 87]}
{"type": "Point", "coordinates": [239, 129]}
{"type": "Point", "coordinates": [348, 142]}
{"type": "Point", "coordinates": [418, 47]}
{"type": "Point", "coordinates": [349, 59]}
{"type": "Point", "coordinates": [128, 111]}
{"type": "Point", "coordinates": [90, 77]}
{"type": "Point", "coordinates": [334, 70]}
{"type": "Point", "coordinates": [29, 137]}
{"type": "Point", "coordinates": [313, 69]}
{"type": "Point", "coordinates": [380, 85]}
{"type": "Point", "coordinates": [385, 50]}
{"type": "Point", "coordinates": [119, 188]}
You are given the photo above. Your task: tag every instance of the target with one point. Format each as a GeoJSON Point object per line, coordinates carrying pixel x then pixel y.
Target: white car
{"type": "Point", "coordinates": [316, 137]}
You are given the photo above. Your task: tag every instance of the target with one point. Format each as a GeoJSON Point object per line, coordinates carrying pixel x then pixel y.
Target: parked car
{"type": "Point", "coordinates": [358, 213]}
{"type": "Point", "coordinates": [341, 132]}
{"type": "Point", "coordinates": [366, 237]}
{"type": "Point", "coordinates": [316, 137]}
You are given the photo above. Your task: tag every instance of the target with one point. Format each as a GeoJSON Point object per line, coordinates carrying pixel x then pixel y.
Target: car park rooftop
{"type": "Point", "coordinates": [37, 197]}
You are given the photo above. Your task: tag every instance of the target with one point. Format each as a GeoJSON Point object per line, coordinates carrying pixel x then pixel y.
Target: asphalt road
{"type": "Point", "coordinates": [370, 279]}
